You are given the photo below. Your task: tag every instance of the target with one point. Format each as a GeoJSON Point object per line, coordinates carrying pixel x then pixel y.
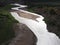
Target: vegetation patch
{"type": "Point", "coordinates": [6, 24]}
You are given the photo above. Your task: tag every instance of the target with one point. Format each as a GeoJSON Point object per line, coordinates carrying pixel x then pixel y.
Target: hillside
{"type": "Point", "coordinates": [6, 25]}
{"type": "Point", "coordinates": [51, 14]}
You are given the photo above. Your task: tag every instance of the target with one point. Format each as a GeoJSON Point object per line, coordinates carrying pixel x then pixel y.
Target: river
{"type": "Point", "coordinates": [39, 27]}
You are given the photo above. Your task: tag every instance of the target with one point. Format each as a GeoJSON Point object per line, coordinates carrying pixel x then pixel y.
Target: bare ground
{"type": "Point", "coordinates": [27, 15]}
{"type": "Point", "coordinates": [23, 35]}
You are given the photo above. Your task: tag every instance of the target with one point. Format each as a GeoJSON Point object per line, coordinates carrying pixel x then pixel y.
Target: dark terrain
{"type": "Point", "coordinates": [10, 29]}
{"type": "Point", "coordinates": [52, 17]}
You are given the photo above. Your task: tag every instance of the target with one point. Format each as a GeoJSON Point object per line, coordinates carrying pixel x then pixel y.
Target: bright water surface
{"type": "Point", "coordinates": [39, 28]}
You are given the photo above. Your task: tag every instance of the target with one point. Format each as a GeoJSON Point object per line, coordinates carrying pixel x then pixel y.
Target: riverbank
{"type": "Point", "coordinates": [52, 16]}
{"type": "Point", "coordinates": [6, 25]}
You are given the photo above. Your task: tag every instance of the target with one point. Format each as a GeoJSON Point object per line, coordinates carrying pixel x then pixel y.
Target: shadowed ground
{"type": "Point", "coordinates": [24, 36]}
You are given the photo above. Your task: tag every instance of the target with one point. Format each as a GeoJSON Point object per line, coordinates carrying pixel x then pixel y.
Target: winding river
{"type": "Point", "coordinates": [37, 26]}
